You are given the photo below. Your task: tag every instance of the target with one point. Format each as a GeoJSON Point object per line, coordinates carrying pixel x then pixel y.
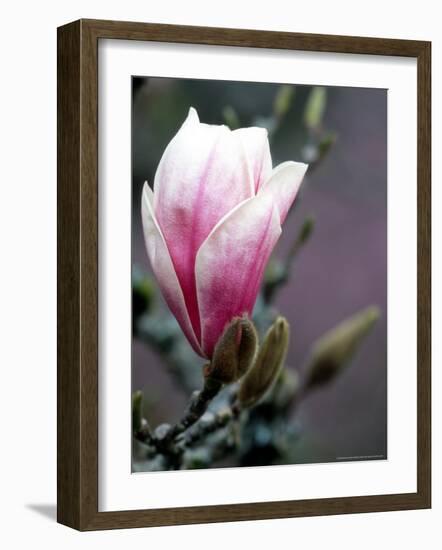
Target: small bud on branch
{"type": "Point", "coordinates": [264, 372]}
{"type": "Point", "coordinates": [337, 347]}
{"type": "Point", "coordinates": [234, 352]}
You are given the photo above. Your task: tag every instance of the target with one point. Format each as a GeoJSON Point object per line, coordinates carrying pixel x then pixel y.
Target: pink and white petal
{"type": "Point", "coordinates": [230, 265]}
{"type": "Point", "coordinates": [283, 185]}
{"type": "Point", "coordinates": [203, 174]}
{"type": "Point", "coordinates": [256, 144]}
{"type": "Point", "coordinates": [203, 165]}
{"type": "Point", "coordinates": [163, 269]}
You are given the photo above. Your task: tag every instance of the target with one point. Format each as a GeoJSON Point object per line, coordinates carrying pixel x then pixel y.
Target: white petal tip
{"type": "Point", "coordinates": [290, 166]}
{"type": "Point", "coordinates": [300, 166]}
{"type": "Point", "coordinates": [147, 193]}
{"type": "Point", "coordinates": [192, 115]}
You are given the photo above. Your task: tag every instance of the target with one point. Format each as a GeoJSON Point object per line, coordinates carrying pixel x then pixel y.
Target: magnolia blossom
{"type": "Point", "coordinates": [211, 223]}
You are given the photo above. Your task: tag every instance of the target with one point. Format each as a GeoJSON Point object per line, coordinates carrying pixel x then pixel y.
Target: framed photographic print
{"type": "Point", "coordinates": [243, 274]}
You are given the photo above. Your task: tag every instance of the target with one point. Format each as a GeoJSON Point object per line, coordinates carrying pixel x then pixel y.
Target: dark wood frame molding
{"type": "Point", "coordinates": [77, 224]}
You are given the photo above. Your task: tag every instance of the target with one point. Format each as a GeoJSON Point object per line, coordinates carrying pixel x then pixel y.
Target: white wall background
{"type": "Point", "coordinates": [28, 274]}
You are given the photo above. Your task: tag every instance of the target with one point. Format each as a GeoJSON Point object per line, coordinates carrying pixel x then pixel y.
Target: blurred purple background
{"type": "Point", "coordinates": [342, 269]}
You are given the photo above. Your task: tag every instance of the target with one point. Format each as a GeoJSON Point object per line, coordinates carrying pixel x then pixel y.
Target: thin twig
{"type": "Point", "coordinates": [208, 426]}
{"type": "Point", "coordinates": [197, 407]}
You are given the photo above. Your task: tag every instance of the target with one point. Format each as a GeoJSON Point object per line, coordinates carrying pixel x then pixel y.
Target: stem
{"type": "Point", "coordinates": [197, 407]}
{"type": "Point", "coordinates": [282, 275]}
{"type": "Point", "coordinates": [144, 433]}
{"type": "Point", "coordinates": [219, 420]}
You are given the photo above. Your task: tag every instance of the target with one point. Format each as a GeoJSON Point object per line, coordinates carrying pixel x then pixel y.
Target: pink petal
{"type": "Point", "coordinates": [203, 174]}
{"type": "Point", "coordinates": [256, 144]}
{"type": "Point", "coordinates": [163, 268]}
{"type": "Point", "coordinates": [284, 184]}
{"type": "Point", "coordinates": [230, 265]}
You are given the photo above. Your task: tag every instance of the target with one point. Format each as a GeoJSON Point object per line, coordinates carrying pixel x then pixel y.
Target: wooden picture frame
{"type": "Point", "coordinates": [78, 274]}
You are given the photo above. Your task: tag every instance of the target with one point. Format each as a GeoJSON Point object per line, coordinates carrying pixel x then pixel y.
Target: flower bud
{"type": "Point", "coordinates": [306, 230]}
{"type": "Point", "coordinates": [315, 107]}
{"type": "Point", "coordinates": [271, 357]}
{"type": "Point", "coordinates": [283, 100]}
{"type": "Point", "coordinates": [234, 352]}
{"type": "Point", "coordinates": [337, 346]}
{"type": "Point", "coordinates": [217, 205]}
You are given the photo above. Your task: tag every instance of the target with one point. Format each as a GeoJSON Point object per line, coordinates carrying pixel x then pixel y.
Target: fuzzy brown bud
{"type": "Point", "coordinates": [269, 361]}
{"type": "Point", "coordinates": [234, 352]}
{"type": "Point", "coordinates": [337, 347]}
